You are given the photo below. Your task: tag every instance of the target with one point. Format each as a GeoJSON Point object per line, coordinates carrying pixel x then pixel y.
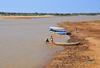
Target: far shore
{"type": "Point", "coordinates": [84, 55]}
{"type": "Point", "coordinates": [25, 17]}
{"type": "Point", "coordinates": [29, 17]}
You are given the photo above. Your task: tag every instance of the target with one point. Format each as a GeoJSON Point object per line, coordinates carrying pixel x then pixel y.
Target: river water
{"type": "Point", "coordinates": [22, 41]}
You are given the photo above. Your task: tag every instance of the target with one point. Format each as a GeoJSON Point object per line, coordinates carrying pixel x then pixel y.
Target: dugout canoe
{"type": "Point", "coordinates": [66, 44]}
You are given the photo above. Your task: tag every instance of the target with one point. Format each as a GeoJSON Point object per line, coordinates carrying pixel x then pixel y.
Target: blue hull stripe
{"type": "Point", "coordinates": [62, 33]}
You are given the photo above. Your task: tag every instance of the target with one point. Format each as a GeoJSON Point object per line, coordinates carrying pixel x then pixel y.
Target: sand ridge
{"type": "Point", "coordinates": [25, 17]}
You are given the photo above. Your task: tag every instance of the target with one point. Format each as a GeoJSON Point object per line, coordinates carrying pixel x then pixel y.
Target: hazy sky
{"type": "Point", "coordinates": [50, 6]}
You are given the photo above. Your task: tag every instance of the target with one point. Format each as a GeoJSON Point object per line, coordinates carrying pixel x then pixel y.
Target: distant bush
{"type": "Point", "coordinates": [55, 14]}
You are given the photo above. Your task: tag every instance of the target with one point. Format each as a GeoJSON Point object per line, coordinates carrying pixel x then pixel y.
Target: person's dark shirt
{"type": "Point", "coordinates": [47, 40]}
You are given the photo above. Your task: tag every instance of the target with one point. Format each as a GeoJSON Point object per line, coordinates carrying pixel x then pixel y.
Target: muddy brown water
{"type": "Point", "coordinates": [22, 41]}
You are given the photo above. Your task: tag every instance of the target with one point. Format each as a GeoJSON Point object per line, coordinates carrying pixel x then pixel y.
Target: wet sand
{"type": "Point", "coordinates": [84, 55]}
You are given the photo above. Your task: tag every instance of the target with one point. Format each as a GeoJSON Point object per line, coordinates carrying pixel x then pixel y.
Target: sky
{"type": "Point", "coordinates": [50, 6]}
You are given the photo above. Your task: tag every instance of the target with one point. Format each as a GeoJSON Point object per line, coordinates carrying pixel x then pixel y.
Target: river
{"type": "Point", "coordinates": [22, 41]}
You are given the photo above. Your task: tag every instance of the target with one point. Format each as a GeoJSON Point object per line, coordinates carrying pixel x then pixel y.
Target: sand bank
{"type": "Point", "coordinates": [86, 54]}
{"type": "Point", "coordinates": [24, 17]}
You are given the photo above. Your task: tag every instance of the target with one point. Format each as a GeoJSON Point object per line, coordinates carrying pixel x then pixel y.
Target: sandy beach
{"type": "Point", "coordinates": [24, 17]}
{"type": "Point", "coordinates": [84, 55]}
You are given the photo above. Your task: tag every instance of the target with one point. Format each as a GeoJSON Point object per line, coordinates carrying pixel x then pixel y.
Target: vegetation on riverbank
{"type": "Point", "coordinates": [79, 22]}
{"type": "Point", "coordinates": [39, 14]}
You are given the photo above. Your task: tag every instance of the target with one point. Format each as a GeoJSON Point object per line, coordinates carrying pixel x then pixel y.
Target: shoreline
{"type": "Point", "coordinates": [84, 55]}
{"type": "Point", "coordinates": [29, 17]}
{"type": "Point", "coordinates": [25, 17]}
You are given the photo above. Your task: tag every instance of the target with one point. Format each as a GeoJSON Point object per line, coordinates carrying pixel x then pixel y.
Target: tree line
{"type": "Point", "coordinates": [36, 14]}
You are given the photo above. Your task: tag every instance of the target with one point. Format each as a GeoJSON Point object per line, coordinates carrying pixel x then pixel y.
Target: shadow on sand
{"type": "Point", "coordinates": [68, 33]}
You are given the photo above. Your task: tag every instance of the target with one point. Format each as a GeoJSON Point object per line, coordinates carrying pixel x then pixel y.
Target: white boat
{"type": "Point", "coordinates": [58, 30]}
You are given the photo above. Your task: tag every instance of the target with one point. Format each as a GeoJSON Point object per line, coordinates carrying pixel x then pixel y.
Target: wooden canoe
{"type": "Point", "coordinates": [66, 44]}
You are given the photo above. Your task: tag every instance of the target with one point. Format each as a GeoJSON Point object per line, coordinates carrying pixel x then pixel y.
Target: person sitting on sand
{"type": "Point", "coordinates": [47, 40]}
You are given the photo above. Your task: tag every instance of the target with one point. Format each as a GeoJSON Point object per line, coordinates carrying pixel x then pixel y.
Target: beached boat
{"type": "Point", "coordinates": [58, 30]}
{"type": "Point", "coordinates": [66, 44]}
{"type": "Point", "coordinates": [63, 43]}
